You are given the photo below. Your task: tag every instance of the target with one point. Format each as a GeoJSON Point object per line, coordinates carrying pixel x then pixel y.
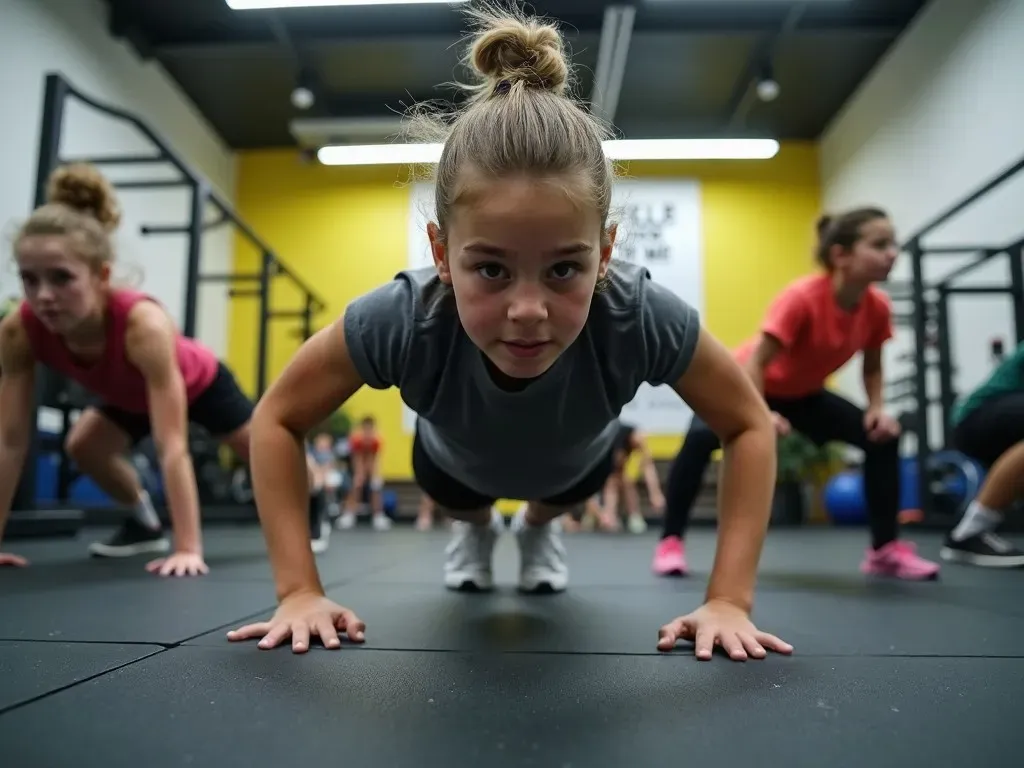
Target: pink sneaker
{"type": "Point", "coordinates": [670, 557]}
{"type": "Point", "coordinates": [898, 559]}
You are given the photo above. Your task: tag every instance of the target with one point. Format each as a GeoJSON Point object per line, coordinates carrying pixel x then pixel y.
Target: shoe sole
{"type": "Point", "coordinates": [676, 572]}
{"type": "Point", "coordinates": [543, 586]}
{"type": "Point", "coordinates": [890, 575]}
{"type": "Point", "coordinates": [468, 584]}
{"type": "Point", "coordinates": [984, 561]}
{"type": "Point", "coordinates": [149, 547]}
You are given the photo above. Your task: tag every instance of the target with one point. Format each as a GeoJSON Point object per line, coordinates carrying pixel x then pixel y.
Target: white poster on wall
{"type": "Point", "coordinates": [659, 226]}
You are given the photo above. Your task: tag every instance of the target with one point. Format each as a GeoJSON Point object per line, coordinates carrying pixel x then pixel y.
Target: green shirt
{"type": "Point", "coordinates": [1008, 377]}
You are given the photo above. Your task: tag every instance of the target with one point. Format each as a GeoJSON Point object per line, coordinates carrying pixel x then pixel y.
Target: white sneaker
{"type": "Point", "coordinates": [467, 564]}
{"type": "Point", "coordinates": [381, 523]}
{"type": "Point", "coordinates": [346, 521]}
{"type": "Point", "coordinates": [542, 566]}
{"type": "Point", "coordinates": [637, 524]}
{"type": "Point", "coordinates": [319, 543]}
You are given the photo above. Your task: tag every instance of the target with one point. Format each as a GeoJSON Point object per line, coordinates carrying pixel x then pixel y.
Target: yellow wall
{"type": "Point", "coordinates": [343, 230]}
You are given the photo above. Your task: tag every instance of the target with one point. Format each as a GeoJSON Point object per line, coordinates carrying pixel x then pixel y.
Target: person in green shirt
{"type": "Point", "coordinates": [988, 426]}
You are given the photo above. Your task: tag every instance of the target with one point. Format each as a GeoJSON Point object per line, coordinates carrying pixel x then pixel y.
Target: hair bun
{"type": "Point", "coordinates": [84, 189]}
{"type": "Point", "coordinates": [823, 224]}
{"type": "Point", "coordinates": [511, 49]}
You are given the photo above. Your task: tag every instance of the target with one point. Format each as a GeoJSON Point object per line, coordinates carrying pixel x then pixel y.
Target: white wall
{"type": "Point", "coordinates": [939, 116]}
{"type": "Point", "coordinates": [71, 36]}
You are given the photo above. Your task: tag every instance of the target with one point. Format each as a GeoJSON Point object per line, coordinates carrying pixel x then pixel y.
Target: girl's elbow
{"type": "Point", "coordinates": [172, 450]}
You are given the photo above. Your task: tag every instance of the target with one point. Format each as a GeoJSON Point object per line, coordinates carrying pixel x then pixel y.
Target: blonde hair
{"type": "Point", "coordinates": [82, 206]}
{"type": "Point", "coordinates": [520, 116]}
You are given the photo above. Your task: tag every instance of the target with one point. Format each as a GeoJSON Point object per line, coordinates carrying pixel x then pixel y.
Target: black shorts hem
{"type": "Point", "coordinates": [454, 495]}
{"type": "Point", "coordinates": [222, 408]}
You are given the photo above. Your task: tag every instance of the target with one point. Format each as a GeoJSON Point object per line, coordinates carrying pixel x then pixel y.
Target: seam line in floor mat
{"type": "Point", "coordinates": [47, 694]}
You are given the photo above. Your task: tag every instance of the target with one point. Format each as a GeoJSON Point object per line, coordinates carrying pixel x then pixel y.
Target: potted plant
{"type": "Point", "coordinates": [337, 424]}
{"type": "Point", "coordinates": [800, 461]}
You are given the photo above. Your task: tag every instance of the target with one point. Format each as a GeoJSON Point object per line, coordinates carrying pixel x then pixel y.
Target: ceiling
{"type": "Point", "coordinates": [690, 68]}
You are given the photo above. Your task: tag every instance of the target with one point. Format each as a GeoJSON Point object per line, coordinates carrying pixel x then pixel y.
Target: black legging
{"type": "Point", "coordinates": [822, 417]}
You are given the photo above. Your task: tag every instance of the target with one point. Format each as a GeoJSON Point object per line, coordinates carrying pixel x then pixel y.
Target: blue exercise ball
{"type": "Point", "coordinates": [389, 499]}
{"type": "Point", "coordinates": [844, 499]}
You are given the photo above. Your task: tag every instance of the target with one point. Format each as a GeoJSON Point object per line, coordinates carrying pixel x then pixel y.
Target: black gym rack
{"type": "Point", "coordinates": [51, 388]}
{"type": "Point", "coordinates": [930, 319]}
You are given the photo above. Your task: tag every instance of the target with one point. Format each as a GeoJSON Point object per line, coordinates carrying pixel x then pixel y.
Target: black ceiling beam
{"type": "Point", "coordinates": [212, 39]}
{"type": "Point", "coordinates": [376, 105]}
{"type": "Point", "coordinates": [123, 25]}
{"type": "Point", "coordinates": [760, 57]}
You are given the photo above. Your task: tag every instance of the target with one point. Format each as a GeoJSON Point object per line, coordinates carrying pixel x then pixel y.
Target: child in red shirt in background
{"type": "Point", "coordinates": [813, 328]}
{"type": "Point", "coordinates": [365, 445]}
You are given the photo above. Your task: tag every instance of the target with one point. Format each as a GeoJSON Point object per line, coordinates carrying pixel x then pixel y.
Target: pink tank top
{"type": "Point", "coordinates": [113, 377]}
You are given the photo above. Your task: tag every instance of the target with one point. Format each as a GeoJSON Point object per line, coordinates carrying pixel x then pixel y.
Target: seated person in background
{"type": "Point", "coordinates": [326, 468]}
{"type": "Point", "coordinates": [123, 347]}
{"type": "Point", "coordinates": [325, 479]}
{"type": "Point", "coordinates": [364, 446]}
{"type": "Point", "coordinates": [988, 426]}
{"type": "Point", "coordinates": [629, 441]}
{"type": "Point", "coordinates": [813, 328]}
{"type": "Point", "coordinates": [427, 515]}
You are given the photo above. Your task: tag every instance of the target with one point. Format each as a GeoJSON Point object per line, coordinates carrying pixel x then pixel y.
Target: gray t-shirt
{"type": "Point", "coordinates": [534, 443]}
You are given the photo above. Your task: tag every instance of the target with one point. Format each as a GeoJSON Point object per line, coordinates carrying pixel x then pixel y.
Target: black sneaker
{"type": "Point", "coordinates": [985, 549]}
{"type": "Point", "coordinates": [132, 538]}
{"type": "Point", "coordinates": [319, 525]}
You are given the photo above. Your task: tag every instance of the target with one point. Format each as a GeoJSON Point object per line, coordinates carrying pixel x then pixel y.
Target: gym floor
{"type": "Point", "coordinates": [102, 664]}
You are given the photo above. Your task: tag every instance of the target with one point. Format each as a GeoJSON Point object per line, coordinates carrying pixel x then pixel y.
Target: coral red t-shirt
{"type": "Point", "coordinates": [358, 443]}
{"type": "Point", "coordinates": [818, 337]}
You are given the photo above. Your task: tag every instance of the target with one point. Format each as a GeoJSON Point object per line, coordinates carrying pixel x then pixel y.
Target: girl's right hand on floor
{"type": "Point", "coordinates": [14, 560]}
{"type": "Point", "coordinates": [301, 616]}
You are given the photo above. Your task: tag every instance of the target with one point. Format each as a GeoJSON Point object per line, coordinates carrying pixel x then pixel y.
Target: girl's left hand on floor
{"type": "Point", "coordinates": [720, 623]}
{"type": "Point", "coordinates": [179, 564]}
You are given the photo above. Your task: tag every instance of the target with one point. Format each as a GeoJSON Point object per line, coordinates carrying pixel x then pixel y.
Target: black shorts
{"type": "Point", "coordinates": [220, 409]}
{"type": "Point", "coordinates": [992, 429]}
{"type": "Point", "coordinates": [450, 494]}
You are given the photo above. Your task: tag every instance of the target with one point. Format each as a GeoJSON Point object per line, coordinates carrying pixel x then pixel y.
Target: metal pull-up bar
{"type": "Point", "coordinates": [926, 310]}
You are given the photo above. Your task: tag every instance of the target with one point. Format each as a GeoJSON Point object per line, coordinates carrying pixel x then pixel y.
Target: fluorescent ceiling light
{"type": "Point", "coordinates": [621, 150]}
{"type": "Point", "coordinates": [254, 5]}
{"type": "Point", "coordinates": [692, 149]}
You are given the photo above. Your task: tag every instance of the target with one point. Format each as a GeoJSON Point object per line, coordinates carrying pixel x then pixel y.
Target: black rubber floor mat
{"type": "Point", "coordinates": [34, 669]}
{"type": "Point", "coordinates": [204, 706]}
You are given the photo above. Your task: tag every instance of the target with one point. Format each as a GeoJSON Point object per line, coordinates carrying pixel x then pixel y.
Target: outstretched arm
{"type": "Point", "coordinates": [727, 401]}
{"type": "Point", "coordinates": [650, 472]}
{"type": "Point", "coordinates": [317, 381]}
{"type": "Point", "coordinates": [17, 388]}
{"type": "Point", "coordinates": [725, 398]}
{"type": "Point", "coordinates": [766, 350]}
{"type": "Point", "coordinates": [150, 345]}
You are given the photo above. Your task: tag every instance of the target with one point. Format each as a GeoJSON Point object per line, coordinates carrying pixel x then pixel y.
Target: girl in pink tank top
{"type": "Point", "coordinates": [123, 348]}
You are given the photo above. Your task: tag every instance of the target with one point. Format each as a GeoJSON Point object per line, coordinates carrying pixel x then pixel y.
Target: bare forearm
{"type": "Point", "coordinates": [873, 388]}
{"type": "Point", "coordinates": [281, 488]}
{"type": "Point", "coordinates": [756, 373]}
{"type": "Point", "coordinates": [651, 480]}
{"type": "Point", "coordinates": [744, 503]}
{"type": "Point", "coordinates": [182, 500]}
{"type": "Point", "coordinates": [11, 462]}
